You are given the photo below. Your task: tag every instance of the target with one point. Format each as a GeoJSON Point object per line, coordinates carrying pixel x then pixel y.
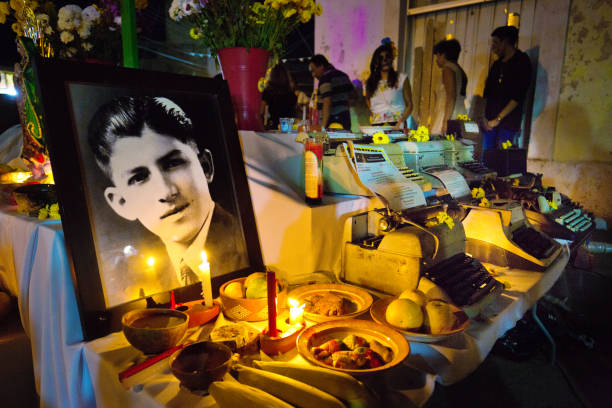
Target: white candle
{"type": "Point", "coordinates": [205, 277]}
{"type": "Point", "coordinates": [296, 311]}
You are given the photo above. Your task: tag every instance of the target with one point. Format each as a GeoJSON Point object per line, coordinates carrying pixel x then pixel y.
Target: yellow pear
{"type": "Point", "coordinates": [432, 291]}
{"type": "Point", "coordinates": [416, 296]}
{"type": "Point", "coordinates": [439, 317]}
{"type": "Point", "coordinates": [234, 290]}
{"type": "Point", "coordinates": [404, 314]}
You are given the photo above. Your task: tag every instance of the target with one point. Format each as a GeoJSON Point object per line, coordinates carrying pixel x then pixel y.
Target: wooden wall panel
{"type": "Point", "coordinates": [417, 75]}
{"type": "Point", "coordinates": [480, 66]}
{"type": "Point", "coordinates": [427, 69]}
{"type": "Point", "coordinates": [543, 24]}
{"type": "Point", "coordinates": [526, 23]}
{"type": "Point", "coordinates": [549, 32]}
{"type": "Point", "coordinates": [468, 54]}
{"type": "Point", "coordinates": [439, 33]}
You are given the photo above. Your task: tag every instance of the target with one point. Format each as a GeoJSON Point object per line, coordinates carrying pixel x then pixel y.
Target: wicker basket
{"type": "Point", "coordinates": [249, 310]}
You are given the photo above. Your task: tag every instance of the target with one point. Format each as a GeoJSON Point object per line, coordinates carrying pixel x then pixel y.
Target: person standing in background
{"type": "Point", "coordinates": [505, 89]}
{"type": "Point", "coordinates": [388, 93]}
{"type": "Point", "coordinates": [450, 93]}
{"type": "Point", "coordinates": [334, 92]}
{"type": "Point", "coordinates": [279, 97]}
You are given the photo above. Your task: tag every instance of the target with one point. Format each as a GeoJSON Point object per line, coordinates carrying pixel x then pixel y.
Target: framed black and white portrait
{"type": "Point", "coordinates": [149, 174]}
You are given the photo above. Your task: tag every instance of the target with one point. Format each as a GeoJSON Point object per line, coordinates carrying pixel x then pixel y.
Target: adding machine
{"type": "Point", "coordinates": [431, 160]}
{"type": "Point", "coordinates": [389, 252]}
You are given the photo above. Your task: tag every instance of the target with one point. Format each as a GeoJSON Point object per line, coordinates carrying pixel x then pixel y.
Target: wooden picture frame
{"type": "Point", "coordinates": [115, 265]}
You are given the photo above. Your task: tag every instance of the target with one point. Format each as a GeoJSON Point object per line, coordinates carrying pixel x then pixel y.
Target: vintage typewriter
{"type": "Point", "coordinates": [389, 252]}
{"type": "Point", "coordinates": [468, 153]}
{"type": "Point", "coordinates": [433, 158]}
{"type": "Point", "coordinates": [502, 235]}
{"type": "Point", "coordinates": [396, 155]}
{"type": "Point", "coordinates": [546, 209]}
{"type": "Point", "coordinates": [339, 179]}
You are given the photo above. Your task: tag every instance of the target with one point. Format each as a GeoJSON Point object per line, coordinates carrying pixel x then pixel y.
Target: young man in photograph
{"type": "Point", "coordinates": [146, 147]}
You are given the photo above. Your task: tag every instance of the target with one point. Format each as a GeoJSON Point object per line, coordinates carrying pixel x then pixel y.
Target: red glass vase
{"type": "Point", "coordinates": [242, 69]}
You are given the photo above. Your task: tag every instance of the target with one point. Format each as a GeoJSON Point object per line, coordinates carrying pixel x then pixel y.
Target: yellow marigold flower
{"type": "Point", "coordinates": [43, 213]}
{"type": "Point", "coordinates": [17, 29]}
{"type": "Point", "coordinates": [289, 12]}
{"type": "Point", "coordinates": [380, 138]}
{"type": "Point", "coordinates": [54, 211]}
{"type": "Point", "coordinates": [195, 33]}
{"type": "Point", "coordinates": [16, 5]}
{"type": "Point", "coordinates": [275, 5]}
{"type": "Point", "coordinates": [507, 144]}
{"type": "Point", "coordinates": [484, 203]}
{"type": "Point", "coordinates": [318, 9]}
{"type": "Point", "coordinates": [441, 218]}
{"type": "Point", "coordinates": [305, 16]}
{"type": "Point", "coordinates": [478, 193]}
{"type": "Point", "coordinates": [4, 11]}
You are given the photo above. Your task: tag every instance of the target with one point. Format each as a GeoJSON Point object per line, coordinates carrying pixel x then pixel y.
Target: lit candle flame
{"type": "Point", "coordinates": [151, 261]}
{"type": "Point", "coordinates": [296, 311]}
{"type": "Point", "coordinates": [205, 278]}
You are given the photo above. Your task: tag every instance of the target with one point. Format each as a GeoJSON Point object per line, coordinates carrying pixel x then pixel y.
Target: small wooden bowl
{"type": "Point", "coordinates": [199, 364]}
{"type": "Point", "coordinates": [280, 344]}
{"type": "Point", "coordinates": [198, 313]}
{"type": "Point", "coordinates": [248, 310]}
{"type": "Point", "coordinates": [154, 330]}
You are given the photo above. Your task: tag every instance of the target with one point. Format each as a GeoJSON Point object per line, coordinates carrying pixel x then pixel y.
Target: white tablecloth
{"type": "Point", "coordinates": [295, 238]}
{"type": "Point", "coordinates": [33, 267]}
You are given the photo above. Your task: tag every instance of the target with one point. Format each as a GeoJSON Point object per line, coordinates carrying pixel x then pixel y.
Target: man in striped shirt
{"type": "Point", "coordinates": [334, 91]}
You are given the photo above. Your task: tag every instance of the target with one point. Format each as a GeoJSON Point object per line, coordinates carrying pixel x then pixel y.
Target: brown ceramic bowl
{"type": "Point", "coordinates": [248, 310]}
{"type": "Point", "coordinates": [154, 330]}
{"type": "Point", "coordinates": [199, 364]}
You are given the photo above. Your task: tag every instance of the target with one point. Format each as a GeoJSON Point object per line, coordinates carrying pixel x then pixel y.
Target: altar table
{"type": "Point", "coordinates": [295, 238]}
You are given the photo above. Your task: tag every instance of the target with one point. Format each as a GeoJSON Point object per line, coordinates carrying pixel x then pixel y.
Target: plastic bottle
{"type": "Point", "coordinates": [313, 171]}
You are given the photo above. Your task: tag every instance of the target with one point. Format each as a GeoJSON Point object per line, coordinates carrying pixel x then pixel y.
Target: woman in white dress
{"type": "Point", "coordinates": [388, 93]}
{"type": "Point", "coordinates": [450, 92]}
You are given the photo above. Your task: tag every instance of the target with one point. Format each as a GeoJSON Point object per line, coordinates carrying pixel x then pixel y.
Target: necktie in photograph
{"type": "Point", "coordinates": [187, 275]}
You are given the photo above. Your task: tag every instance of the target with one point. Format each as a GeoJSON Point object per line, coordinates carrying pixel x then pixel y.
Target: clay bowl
{"type": "Point", "coordinates": [199, 364]}
{"type": "Point", "coordinates": [154, 330]}
{"type": "Point", "coordinates": [248, 310]}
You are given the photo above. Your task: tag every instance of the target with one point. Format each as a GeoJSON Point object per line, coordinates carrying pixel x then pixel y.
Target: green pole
{"type": "Point", "coordinates": [128, 34]}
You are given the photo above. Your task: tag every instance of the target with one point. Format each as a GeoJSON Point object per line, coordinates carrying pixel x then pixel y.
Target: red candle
{"type": "Point", "coordinates": [172, 303]}
{"type": "Point", "coordinates": [271, 281]}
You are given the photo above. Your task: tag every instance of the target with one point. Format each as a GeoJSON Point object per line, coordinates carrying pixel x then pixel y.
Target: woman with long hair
{"type": "Point", "coordinates": [450, 92]}
{"type": "Point", "coordinates": [388, 93]}
{"type": "Point", "coordinates": [279, 97]}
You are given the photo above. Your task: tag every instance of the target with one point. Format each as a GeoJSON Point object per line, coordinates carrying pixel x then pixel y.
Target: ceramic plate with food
{"type": "Point", "coordinates": [460, 322]}
{"type": "Point", "coordinates": [353, 346]}
{"type": "Point", "coordinates": [331, 301]}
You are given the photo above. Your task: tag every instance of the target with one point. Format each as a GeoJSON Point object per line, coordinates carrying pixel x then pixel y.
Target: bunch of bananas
{"type": "Point", "coordinates": [278, 384]}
